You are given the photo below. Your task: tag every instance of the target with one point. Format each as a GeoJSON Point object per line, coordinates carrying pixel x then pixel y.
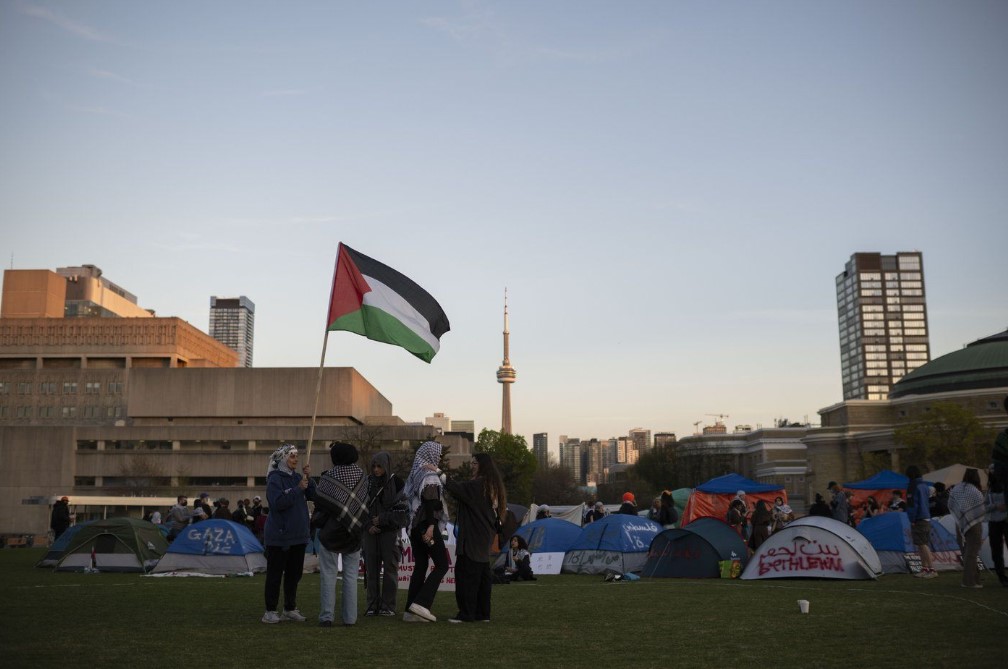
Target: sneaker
{"type": "Point", "coordinates": [271, 618]}
{"type": "Point", "coordinates": [369, 613]}
{"type": "Point", "coordinates": [387, 613]}
{"type": "Point", "coordinates": [294, 615]}
{"type": "Point", "coordinates": [977, 585]}
{"type": "Point", "coordinates": [930, 573]}
{"type": "Point", "coordinates": [423, 612]}
{"type": "Point", "coordinates": [325, 623]}
{"type": "Point", "coordinates": [410, 618]}
{"type": "Point", "coordinates": [454, 620]}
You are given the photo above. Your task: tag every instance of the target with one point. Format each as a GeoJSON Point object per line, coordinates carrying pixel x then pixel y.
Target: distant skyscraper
{"type": "Point", "coordinates": [232, 323]}
{"type": "Point", "coordinates": [540, 448]}
{"type": "Point", "coordinates": [506, 375]}
{"type": "Point", "coordinates": [883, 322]}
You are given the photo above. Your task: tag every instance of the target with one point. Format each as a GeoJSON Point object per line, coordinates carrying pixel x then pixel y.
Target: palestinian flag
{"type": "Point", "coordinates": [376, 301]}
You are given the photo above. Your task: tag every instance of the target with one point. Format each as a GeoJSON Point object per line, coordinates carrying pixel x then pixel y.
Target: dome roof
{"type": "Point", "coordinates": [980, 365]}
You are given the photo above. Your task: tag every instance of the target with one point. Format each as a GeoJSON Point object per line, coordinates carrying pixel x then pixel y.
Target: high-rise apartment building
{"type": "Point", "coordinates": [232, 323]}
{"type": "Point", "coordinates": [540, 448]}
{"type": "Point", "coordinates": [883, 322]}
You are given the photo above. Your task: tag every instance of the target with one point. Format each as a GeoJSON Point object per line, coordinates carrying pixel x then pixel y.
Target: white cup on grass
{"type": "Point", "coordinates": [803, 605]}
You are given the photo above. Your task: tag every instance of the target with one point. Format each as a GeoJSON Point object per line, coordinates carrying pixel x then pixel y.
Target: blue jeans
{"type": "Point", "coordinates": [329, 570]}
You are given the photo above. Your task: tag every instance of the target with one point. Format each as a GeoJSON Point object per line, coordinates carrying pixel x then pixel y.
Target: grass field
{"type": "Point", "coordinates": [112, 620]}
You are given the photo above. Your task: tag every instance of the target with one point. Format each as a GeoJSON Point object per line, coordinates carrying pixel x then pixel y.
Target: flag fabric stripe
{"type": "Point", "coordinates": [374, 300]}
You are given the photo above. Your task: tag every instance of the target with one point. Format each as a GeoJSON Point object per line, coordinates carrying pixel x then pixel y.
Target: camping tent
{"type": "Point", "coordinates": [889, 534]}
{"type": "Point", "coordinates": [694, 551]}
{"type": "Point", "coordinates": [954, 474]}
{"type": "Point", "coordinates": [616, 543]}
{"type": "Point", "coordinates": [712, 498]}
{"type": "Point", "coordinates": [880, 486]}
{"type": "Point", "coordinates": [213, 547]}
{"type": "Point", "coordinates": [815, 547]}
{"type": "Point", "coordinates": [548, 539]}
{"type": "Point", "coordinates": [59, 546]}
{"type": "Point", "coordinates": [574, 514]}
{"type": "Point", "coordinates": [948, 524]}
{"type": "Point", "coordinates": [114, 544]}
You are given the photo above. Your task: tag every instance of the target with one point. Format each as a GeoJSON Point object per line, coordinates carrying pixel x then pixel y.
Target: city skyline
{"type": "Point", "coordinates": [667, 193]}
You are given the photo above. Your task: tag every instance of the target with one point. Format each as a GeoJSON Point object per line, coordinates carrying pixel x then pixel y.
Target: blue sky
{"type": "Point", "coordinates": [666, 189]}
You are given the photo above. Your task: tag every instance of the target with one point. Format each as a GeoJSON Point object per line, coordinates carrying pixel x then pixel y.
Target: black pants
{"type": "Point", "coordinates": [284, 563]}
{"type": "Point", "coordinates": [423, 586]}
{"type": "Point", "coordinates": [997, 534]}
{"type": "Point", "coordinates": [381, 561]}
{"type": "Point", "coordinates": [472, 588]}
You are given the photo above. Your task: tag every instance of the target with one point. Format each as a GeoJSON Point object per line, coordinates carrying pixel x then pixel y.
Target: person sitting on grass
{"type": "Point", "coordinates": [520, 568]}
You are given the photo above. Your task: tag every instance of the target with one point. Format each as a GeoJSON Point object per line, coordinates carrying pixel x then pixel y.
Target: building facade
{"type": "Point", "coordinates": [540, 448]}
{"type": "Point", "coordinates": [882, 315]}
{"type": "Point", "coordinates": [232, 322]}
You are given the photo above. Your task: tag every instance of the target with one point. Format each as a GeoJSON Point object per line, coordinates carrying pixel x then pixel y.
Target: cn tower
{"type": "Point", "coordinates": [506, 375]}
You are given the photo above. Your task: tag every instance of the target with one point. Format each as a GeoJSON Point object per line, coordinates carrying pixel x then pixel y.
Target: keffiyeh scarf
{"type": "Point", "coordinates": [278, 461]}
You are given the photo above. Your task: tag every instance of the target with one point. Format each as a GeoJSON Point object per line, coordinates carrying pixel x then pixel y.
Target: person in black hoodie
{"type": "Point", "coordinates": [481, 502]}
{"type": "Point", "coordinates": [820, 507]}
{"type": "Point", "coordinates": [388, 513]}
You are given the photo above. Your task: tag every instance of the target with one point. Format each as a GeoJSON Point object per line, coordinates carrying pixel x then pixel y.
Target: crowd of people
{"type": "Point", "coordinates": [248, 512]}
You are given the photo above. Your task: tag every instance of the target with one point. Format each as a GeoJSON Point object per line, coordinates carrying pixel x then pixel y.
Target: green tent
{"type": "Point", "coordinates": [114, 544]}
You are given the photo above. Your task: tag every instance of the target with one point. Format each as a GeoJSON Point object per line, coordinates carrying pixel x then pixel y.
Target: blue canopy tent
{"type": "Point", "coordinates": [617, 543]}
{"type": "Point", "coordinates": [711, 499]}
{"type": "Point", "coordinates": [880, 486]}
{"type": "Point", "coordinates": [214, 546]}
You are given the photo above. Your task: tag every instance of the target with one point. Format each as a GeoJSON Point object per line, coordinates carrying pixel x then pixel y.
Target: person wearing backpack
{"type": "Point", "coordinates": [340, 514]}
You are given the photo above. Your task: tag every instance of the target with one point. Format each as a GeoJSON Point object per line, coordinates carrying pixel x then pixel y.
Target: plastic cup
{"type": "Point", "coordinates": [803, 605]}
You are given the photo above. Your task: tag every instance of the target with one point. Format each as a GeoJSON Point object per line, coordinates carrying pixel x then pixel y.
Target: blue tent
{"type": "Point", "coordinates": [695, 551]}
{"type": "Point", "coordinates": [59, 546]}
{"type": "Point", "coordinates": [884, 480]}
{"type": "Point", "coordinates": [889, 534]}
{"type": "Point", "coordinates": [549, 535]}
{"type": "Point", "coordinates": [732, 483]}
{"type": "Point", "coordinates": [617, 543]}
{"type": "Point", "coordinates": [214, 546]}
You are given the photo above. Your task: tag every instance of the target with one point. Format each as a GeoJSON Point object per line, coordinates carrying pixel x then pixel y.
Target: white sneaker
{"type": "Point", "coordinates": [294, 615]}
{"type": "Point", "coordinates": [423, 612]}
{"type": "Point", "coordinates": [410, 618]}
{"type": "Point", "coordinates": [271, 618]}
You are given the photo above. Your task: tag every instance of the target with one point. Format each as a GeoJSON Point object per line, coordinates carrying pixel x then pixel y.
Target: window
{"type": "Point", "coordinates": [24, 412]}
{"type": "Point", "coordinates": [115, 387]}
{"type": "Point", "coordinates": [47, 388]}
{"type": "Point", "coordinates": [114, 412]}
{"type": "Point", "coordinates": [69, 387]}
{"type": "Point", "coordinates": [4, 411]}
{"type": "Point", "coordinates": [69, 412]}
{"type": "Point", "coordinates": [92, 388]}
{"type": "Point", "coordinates": [24, 388]}
{"type": "Point", "coordinates": [4, 388]}
{"type": "Point", "coordinates": [47, 412]}
{"type": "Point", "coordinates": [91, 411]}
{"type": "Point", "coordinates": [909, 262]}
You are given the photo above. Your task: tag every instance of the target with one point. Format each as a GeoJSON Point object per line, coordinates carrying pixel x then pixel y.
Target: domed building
{"type": "Point", "coordinates": [975, 377]}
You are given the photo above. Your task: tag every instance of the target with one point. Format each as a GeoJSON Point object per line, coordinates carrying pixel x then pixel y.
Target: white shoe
{"type": "Point", "coordinates": [271, 618]}
{"type": "Point", "coordinates": [410, 618]}
{"type": "Point", "coordinates": [423, 612]}
{"type": "Point", "coordinates": [294, 615]}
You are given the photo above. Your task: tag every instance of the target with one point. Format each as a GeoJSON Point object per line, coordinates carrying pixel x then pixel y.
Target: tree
{"type": "Point", "coordinates": [683, 464]}
{"type": "Point", "coordinates": [946, 434]}
{"type": "Point", "coordinates": [515, 461]}
{"type": "Point", "coordinates": [554, 484]}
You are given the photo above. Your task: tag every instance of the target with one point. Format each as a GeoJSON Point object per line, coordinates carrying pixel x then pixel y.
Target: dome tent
{"type": "Point", "coordinates": [548, 540]}
{"type": "Point", "coordinates": [114, 545]}
{"type": "Point", "coordinates": [213, 546]}
{"type": "Point", "coordinates": [815, 547]}
{"type": "Point", "coordinates": [889, 534]}
{"type": "Point", "coordinates": [694, 551]}
{"type": "Point", "coordinates": [616, 543]}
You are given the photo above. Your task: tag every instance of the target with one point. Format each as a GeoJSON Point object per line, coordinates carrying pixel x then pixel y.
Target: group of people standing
{"type": "Point", "coordinates": [754, 524]}
{"type": "Point", "coordinates": [357, 511]}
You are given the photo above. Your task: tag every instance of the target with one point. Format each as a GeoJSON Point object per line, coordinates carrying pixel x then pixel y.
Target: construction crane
{"type": "Point", "coordinates": [720, 416]}
{"type": "Point", "coordinates": [695, 426]}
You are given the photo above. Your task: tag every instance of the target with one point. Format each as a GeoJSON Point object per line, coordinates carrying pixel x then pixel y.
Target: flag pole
{"type": "Point", "coordinates": [318, 390]}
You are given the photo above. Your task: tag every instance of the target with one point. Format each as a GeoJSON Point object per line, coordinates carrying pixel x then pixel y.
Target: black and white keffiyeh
{"type": "Point", "coordinates": [278, 461]}
{"type": "Point", "coordinates": [342, 491]}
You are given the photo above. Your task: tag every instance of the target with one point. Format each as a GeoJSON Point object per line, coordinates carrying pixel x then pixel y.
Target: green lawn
{"type": "Point", "coordinates": [111, 620]}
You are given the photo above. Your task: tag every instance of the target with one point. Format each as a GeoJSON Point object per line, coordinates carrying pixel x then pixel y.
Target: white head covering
{"type": "Point", "coordinates": [278, 461]}
{"type": "Point", "coordinates": [429, 453]}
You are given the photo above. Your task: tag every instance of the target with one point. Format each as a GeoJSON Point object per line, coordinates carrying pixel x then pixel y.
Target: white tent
{"type": "Point", "coordinates": [954, 474]}
{"type": "Point", "coordinates": [815, 547]}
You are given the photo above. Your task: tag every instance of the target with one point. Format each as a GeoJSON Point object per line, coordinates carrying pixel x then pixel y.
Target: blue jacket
{"type": "Point", "coordinates": [287, 521]}
{"type": "Point", "coordinates": [917, 501]}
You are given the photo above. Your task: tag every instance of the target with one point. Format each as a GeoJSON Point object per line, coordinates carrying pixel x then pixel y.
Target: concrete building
{"type": "Point", "coordinates": [232, 322]}
{"type": "Point", "coordinates": [69, 292]}
{"type": "Point", "coordinates": [882, 315]}
{"type": "Point", "coordinates": [121, 413]}
{"type": "Point", "coordinates": [439, 421]}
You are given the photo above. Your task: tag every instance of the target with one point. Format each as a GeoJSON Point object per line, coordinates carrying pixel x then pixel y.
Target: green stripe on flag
{"type": "Point", "coordinates": [378, 325]}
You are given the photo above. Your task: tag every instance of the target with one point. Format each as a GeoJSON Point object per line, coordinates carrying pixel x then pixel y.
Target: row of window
{"type": "Point", "coordinates": [165, 481]}
{"type": "Point", "coordinates": [68, 387]}
{"type": "Point", "coordinates": [89, 411]}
